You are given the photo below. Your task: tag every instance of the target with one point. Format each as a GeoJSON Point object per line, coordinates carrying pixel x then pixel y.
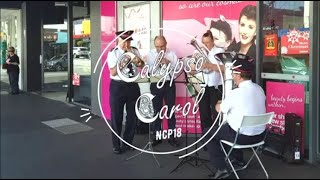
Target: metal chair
{"type": "Point", "coordinates": [249, 121]}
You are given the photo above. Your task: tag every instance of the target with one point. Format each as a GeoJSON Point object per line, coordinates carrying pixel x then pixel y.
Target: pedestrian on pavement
{"type": "Point", "coordinates": [13, 70]}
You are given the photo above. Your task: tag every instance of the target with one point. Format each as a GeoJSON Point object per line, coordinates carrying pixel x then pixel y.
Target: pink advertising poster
{"type": "Point", "coordinates": [194, 18]}
{"type": "Point", "coordinates": [184, 20]}
{"type": "Point", "coordinates": [108, 29]}
{"type": "Point", "coordinates": [285, 98]}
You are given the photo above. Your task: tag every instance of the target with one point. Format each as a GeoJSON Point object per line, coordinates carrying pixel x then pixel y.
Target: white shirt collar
{"type": "Point", "coordinates": [245, 83]}
{"type": "Point", "coordinates": [155, 51]}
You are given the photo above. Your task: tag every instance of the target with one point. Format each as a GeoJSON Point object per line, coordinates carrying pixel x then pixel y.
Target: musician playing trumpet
{"type": "Point", "coordinates": [122, 92]}
{"type": "Point", "coordinates": [159, 58]}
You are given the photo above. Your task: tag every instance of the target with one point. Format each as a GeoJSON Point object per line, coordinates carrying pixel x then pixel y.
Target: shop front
{"type": "Point", "coordinates": [286, 41]}
{"type": "Point", "coordinates": [290, 67]}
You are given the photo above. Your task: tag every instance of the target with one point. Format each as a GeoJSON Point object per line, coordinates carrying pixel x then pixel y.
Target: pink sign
{"type": "Point", "coordinates": [194, 18]}
{"type": "Point", "coordinates": [108, 29]}
{"type": "Point", "coordinates": [183, 20]}
{"type": "Point", "coordinates": [190, 122]}
{"type": "Point", "coordinates": [284, 98]}
{"type": "Point", "coordinates": [76, 79]}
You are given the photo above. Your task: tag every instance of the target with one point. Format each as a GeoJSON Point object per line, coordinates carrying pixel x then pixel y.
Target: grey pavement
{"type": "Point", "coordinates": [30, 148]}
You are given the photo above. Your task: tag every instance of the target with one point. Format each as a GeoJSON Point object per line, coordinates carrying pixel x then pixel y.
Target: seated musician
{"type": "Point", "coordinates": [238, 103]}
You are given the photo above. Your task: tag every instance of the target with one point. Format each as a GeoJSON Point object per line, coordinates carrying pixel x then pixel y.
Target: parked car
{"type": "Point", "coordinates": [57, 63]}
{"type": "Point", "coordinates": [80, 51]}
{"type": "Point", "coordinates": [82, 64]}
{"type": "Point", "coordinates": [82, 57]}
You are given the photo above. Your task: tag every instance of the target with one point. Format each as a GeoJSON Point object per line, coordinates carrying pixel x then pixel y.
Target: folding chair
{"type": "Point", "coordinates": [249, 121]}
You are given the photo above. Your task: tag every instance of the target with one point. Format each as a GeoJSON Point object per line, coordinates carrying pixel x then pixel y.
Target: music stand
{"type": "Point", "coordinates": [148, 146]}
{"type": "Point", "coordinates": [195, 157]}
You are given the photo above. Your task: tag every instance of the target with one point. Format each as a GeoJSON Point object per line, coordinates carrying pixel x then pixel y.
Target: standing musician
{"type": "Point", "coordinates": [122, 93]}
{"type": "Point", "coordinates": [213, 83]}
{"type": "Point", "coordinates": [167, 92]}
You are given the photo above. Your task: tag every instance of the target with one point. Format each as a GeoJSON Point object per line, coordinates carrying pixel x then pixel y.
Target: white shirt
{"type": "Point", "coordinates": [168, 54]}
{"type": "Point", "coordinates": [247, 99]}
{"type": "Point", "coordinates": [113, 57]}
{"type": "Point", "coordinates": [213, 78]}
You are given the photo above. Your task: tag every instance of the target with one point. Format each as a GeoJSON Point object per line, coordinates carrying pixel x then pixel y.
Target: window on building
{"type": "Point", "coordinates": [286, 69]}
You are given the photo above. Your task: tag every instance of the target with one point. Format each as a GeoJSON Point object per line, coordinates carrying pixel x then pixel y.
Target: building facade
{"type": "Point", "coordinates": [63, 47]}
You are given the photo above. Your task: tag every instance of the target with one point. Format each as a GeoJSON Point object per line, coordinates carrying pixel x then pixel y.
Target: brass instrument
{"type": "Point", "coordinates": [128, 58]}
{"type": "Point", "coordinates": [138, 62]}
{"type": "Point", "coordinates": [201, 54]}
{"type": "Point", "coordinates": [128, 63]}
{"type": "Point", "coordinates": [196, 78]}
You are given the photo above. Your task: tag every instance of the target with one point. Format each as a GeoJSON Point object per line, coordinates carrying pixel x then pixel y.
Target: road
{"type": "Point", "coordinates": [49, 77]}
{"type": "Point", "coordinates": [81, 67]}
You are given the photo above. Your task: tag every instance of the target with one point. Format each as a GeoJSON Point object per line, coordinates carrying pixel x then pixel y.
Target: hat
{"type": "Point", "coordinates": [125, 35]}
{"type": "Point", "coordinates": [242, 63]}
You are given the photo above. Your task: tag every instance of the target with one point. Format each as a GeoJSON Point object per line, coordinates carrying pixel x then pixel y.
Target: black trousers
{"type": "Point", "coordinates": [216, 155]}
{"type": "Point", "coordinates": [207, 105]}
{"type": "Point", "coordinates": [122, 93]}
{"type": "Point", "coordinates": [14, 81]}
{"type": "Point", "coordinates": [168, 94]}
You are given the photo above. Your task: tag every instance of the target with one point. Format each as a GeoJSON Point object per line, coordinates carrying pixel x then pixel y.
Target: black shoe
{"type": "Point", "coordinates": [238, 164]}
{"type": "Point", "coordinates": [117, 150]}
{"type": "Point", "coordinates": [126, 148]}
{"type": "Point", "coordinates": [220, 174]}
{"type": "Point", "coordinates": [156, 142]}
{"type": "Point", "coordinates": [174, 142]}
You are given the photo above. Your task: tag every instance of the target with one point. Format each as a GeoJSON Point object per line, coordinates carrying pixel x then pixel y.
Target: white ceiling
{"type": "Point", "coordinates": [8, 14]}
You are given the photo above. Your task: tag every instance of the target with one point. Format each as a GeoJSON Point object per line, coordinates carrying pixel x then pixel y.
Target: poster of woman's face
{"type": "Point", "coordinates": [194, 18]}
{"type": "Point", "coordinates": [232, 24]}
{"type": "Point", "coordinates": [247, 30]}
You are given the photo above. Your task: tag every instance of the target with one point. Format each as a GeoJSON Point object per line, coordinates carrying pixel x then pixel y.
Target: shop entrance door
{"type": "Point", "coordinates": [54, 60]}
{"type": "Point", "coordinates": [10, 35]}
{"type": "Point", "coordinates": [81, 41]}
{"type": "Point", "coordinates": [288, 64]}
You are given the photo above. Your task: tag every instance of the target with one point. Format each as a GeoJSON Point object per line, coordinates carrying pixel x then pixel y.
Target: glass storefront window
{"type": "Point", "coordinates": [55, 58]}
{"type": "Point", "coordinates": [286, 57]}
{"type": "Point", "coordinates": [10, 35]}
{"type": "Point", "coordinates": [82, 55]}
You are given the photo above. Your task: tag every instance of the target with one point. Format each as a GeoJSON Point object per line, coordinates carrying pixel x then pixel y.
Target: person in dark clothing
{"type": "Point", "coordinates": [13, 70]}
